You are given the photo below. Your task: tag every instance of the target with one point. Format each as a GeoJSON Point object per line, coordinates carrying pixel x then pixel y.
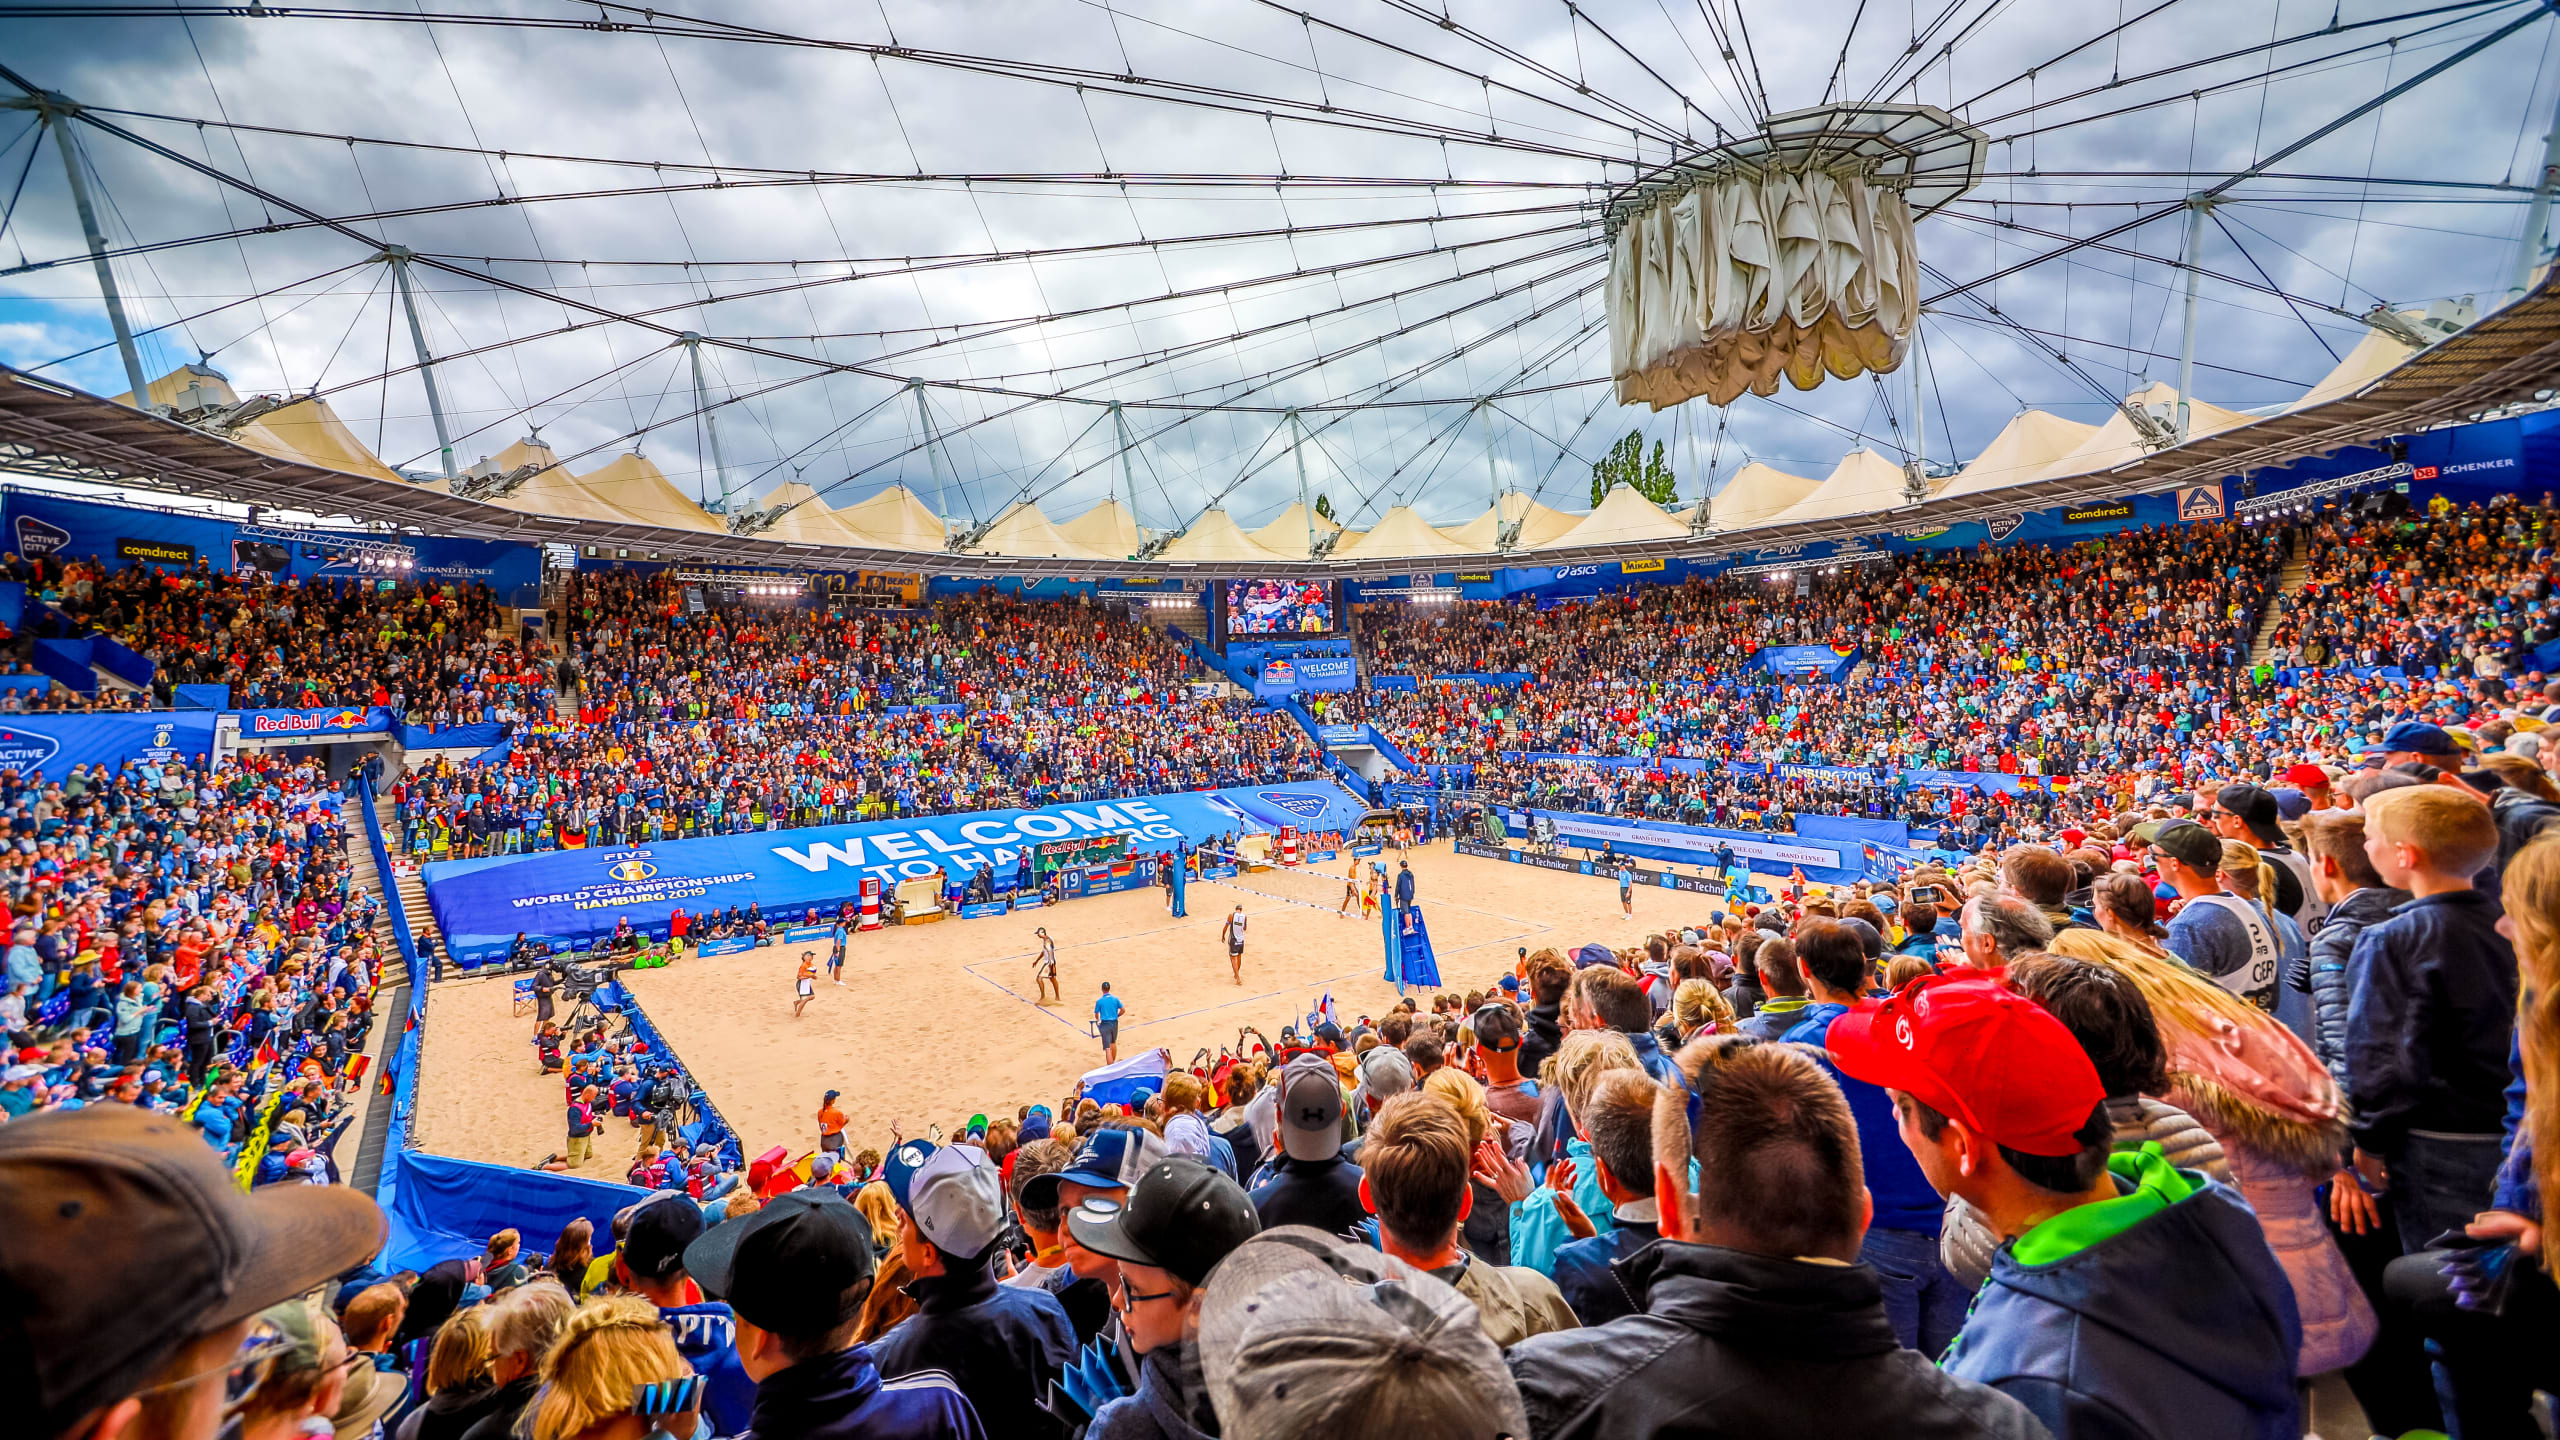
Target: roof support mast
{"type": "Point", "coordinates": [1128, 476]}
{"type": "Point", "coordinates": [2198, 206]}
{"type": "Point", "coordinates": [932, 450]}
{"type": "Point", "coordinates": [2529, 246]}
{"type": "Point", "coordinates": [1298, 453]}
{"type": "Point", "coordinates": [692, 343]}
{"type": "Point", "coordinates": [398, 257]}
{"type": "Point", "coordinates": [54, 110]}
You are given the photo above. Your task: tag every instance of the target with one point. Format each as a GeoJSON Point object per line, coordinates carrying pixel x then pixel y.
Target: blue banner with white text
{"type": "Point", "coordinates": [578, 895]}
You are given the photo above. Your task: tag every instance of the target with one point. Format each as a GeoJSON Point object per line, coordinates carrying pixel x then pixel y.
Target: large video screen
{"type": "Point", "coordinates": [1281, 607]}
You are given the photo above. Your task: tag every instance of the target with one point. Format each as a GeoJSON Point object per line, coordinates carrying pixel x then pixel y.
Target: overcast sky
{"type": "Point", "coordinates": [1501, 277]}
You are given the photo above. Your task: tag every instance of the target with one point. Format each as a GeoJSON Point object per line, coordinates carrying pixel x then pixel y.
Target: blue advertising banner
{"type": "Point", "coordinates": [48, 525]}
{"type": "Point", "coordinates": [53, 744]}
{"type": "Point", "coordinates": [808, 934]}
{"type": "Point", "coordinates": [1305, 673]}
{"type": "Point", "coordinates": [982, 910]}
{"type": "Point", "coordinates": [577, 895]}
{"type": "Point", "coordinates": [1691, 844]}
{"type": "Point", "coordinates": [1342, 735]}
{"type": "Point", "coordinates": [299, 724]}
{"type": "Point", "coordinates": [1807, 660]}
{"type": "Point", "coordinates": [727, 945]}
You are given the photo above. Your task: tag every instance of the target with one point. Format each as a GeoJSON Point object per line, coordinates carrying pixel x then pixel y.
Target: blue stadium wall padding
{"type": "Point", "coordinates": [477, 736]}
{"type": "Point", "coordinates": [1855, 829]}
{"type": "Point", "coordinates": [200, 697]}
{"type": "Point", "coordinates": [444, 1209]}
{"type": "Point", "coordinates": [68, 662]}
{"type": "Point", "coordinates": [578, 895]}
{"type": "Point", "coordinates": [118, 659]}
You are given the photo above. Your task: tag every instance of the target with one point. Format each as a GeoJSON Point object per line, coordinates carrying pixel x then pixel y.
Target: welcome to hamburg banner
{"type": "Point", "coordinates": [578, 895]}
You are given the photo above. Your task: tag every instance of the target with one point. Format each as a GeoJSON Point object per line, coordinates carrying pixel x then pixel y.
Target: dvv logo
{"type": "Point", "coordinates": [631, 872]}
{"type": "Point", "coordinates": [1298, 803]}
{"type": "Point", "coordinates": [26, 750]}
{"type": "Point", "coordinates": [38, 538]}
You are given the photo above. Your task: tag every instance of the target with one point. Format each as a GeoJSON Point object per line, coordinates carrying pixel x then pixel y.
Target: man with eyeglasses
{"type": "Point", "coordinates": [1177, 1223]}
{"type": "Point", "coordinates": [138, 1271]}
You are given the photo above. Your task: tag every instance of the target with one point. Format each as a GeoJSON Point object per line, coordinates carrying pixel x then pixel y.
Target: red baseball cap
{"type": "Point", "coordinates": [1972, 1049]}
{"type": "Point", "coordinates": [2307, 776]}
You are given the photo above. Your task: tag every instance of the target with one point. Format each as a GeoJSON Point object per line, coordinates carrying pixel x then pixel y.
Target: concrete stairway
{"type": "Point", "coordinates": [413, 891]}
{"type": "Point", "coordinates": [2297, 570]}
{"type": "Point", "coordinates": [358, 1154]}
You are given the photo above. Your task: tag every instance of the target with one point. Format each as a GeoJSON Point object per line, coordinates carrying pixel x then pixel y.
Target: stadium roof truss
{"type": "Point", "coordinates": [53, 431]}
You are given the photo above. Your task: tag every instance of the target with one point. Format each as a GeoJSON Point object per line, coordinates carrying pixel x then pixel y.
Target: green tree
{"type": "Point", "coordinates": [1627, 464]}
{"type": "Point", "coordinates": [1324, 505]}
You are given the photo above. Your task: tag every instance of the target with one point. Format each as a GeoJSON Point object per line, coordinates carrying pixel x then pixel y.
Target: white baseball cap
{"type": "Point", "coordinates": [957, 1199]}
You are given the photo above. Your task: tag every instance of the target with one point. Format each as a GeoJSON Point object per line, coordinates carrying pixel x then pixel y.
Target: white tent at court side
{"type": "Point", "coordinates": [1539, 524]}
{"type": "Point", "coordinates": [2025, 447]}
{"type": "Point", "coordinates": [1216, 539]}
{"type": "Point", "coordinates": [634, 486]}
{"type": "Point", "coordinates": [1862, 483]}
{"type": "Point", "coordinates": [1107, 529]}
{"type": "Point", "coordinates": [894, 519]}
{"type": "Point", "coordinates": [1622, 517]}
{"type": "Point", "coordinates": [2115, 443]}
{"type": "Point", "coordinates": [1286, 532]}
{"type": "Point", "coordinates": [1400, 531]}
{"type": "Point", "coordinates": [1024, 531]}
{"type": "Point", "coordinates": [1756, 493]}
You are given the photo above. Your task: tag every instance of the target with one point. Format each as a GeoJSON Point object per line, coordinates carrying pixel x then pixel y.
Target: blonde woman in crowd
{"type": "Point", "coordinates": [593, 1377]}
{"type": "Point", "coordinates": [1565, 1206]}
{"type": "Point", "coordinates": [457, 1382]}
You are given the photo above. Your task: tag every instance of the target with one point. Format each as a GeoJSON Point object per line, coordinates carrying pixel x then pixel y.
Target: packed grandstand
{"type": "Point", "coordinates": [2153, 934]}
{"type": "Point", "coordinates": [813, 733]}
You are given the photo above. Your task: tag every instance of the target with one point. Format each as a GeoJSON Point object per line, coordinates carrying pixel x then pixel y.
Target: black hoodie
{"type": "Point", "coordinates": [1736, 1344]}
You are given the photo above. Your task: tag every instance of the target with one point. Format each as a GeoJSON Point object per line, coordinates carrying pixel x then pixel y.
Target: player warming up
{"type": "Point", "coordinates": [806, 983]}
{"type": "Point", "coordinates": [1044, 969]}
{"type": "Point", "coordinates": [1351, 889]}
{"type": "Point", "coordinates": [1235, 944]}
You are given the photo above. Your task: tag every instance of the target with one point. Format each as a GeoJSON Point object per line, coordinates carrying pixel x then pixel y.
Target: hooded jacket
{"type": "Point", "coordinates": [2432, 1011]}
{"type": "Point", "coordinates": [1736, 1344]}
{"type": "Point", "coordinates": [1000, 1344]}
{"type": "Point", "coordinates": [1966, 1244]}
{"type": "Point", "coordinates": [2330, 982]}
{"type": "Point", "coordinates": [842, 1397]}
{"type": "Point", "coordinates": [2158, 1314]}
{"type": "Point", "coordinates": [1170, 1403]}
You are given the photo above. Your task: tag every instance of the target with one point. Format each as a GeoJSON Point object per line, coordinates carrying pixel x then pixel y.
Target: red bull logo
{"type": "Point", "coordinates": [305, 722]}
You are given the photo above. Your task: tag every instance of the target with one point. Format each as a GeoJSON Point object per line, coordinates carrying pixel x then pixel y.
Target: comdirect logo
{"type": "Point", "coordinates": [631, 872]}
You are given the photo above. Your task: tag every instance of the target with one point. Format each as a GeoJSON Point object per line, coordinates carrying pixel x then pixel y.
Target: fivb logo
{"type": "Point", "coordinates": [1304, 806]}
